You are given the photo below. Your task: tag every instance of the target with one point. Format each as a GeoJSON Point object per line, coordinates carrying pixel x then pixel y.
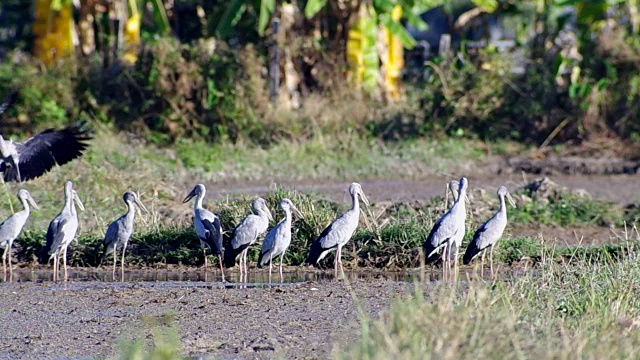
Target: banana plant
{"type": "Point", "coordinates": [237, 8]}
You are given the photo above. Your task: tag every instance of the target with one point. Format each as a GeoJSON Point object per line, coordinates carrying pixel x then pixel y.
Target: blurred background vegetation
{"type": "Point", "coordinates": [537, 71]}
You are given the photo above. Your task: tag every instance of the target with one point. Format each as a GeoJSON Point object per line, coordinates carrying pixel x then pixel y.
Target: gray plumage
{"type": "Point", "coordinates": [452, 186]}
{"type": "Point", "coordinates": [207, 226]}
{"type": "Point", "coordinates": [22, 161]}
{"type": "Point", "coordinates": [491, 231]}
{"type": "Point", "coordinates": [11, 228]}
{"type": "Point", "coordinates": [278, 238]}
{"type": "Point", "coordinates": [338, 233]}
{"type": "Point", "coordinates": [448, 231]}
{"type": "Point", "coordinates": [246, 234]}
{"type": "Point", "coordinates": [63, 228]}
{"type": "Point", "coordinates": [119, 232]}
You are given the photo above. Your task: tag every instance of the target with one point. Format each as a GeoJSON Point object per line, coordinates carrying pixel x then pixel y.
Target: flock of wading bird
{"type": "Point", "coordinates": [22, 161]}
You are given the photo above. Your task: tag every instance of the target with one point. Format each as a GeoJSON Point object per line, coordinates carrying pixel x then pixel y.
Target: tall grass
{"type": "Point", "coordinates": [578, 310]}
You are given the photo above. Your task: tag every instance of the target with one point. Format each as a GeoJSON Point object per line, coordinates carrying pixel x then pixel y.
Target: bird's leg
{"type": "Point", "coordinates": [491, 259]}
{"type": "Point", "coordinates": [10, 264]}
{"type": "Point", "coordinates": [221, 268]}
{"type": "Point", "coordinates": [113, 273]}
{"type": "Point", "coordinates": [484, 252]}
{"type": "Point", "coordinates": [340, 261]}
{"type": "Point", "coordinates": [124, 249]}
{"type": "Point", "coordinates": [4, 264]}
{"type": "Point", "coordinates": [455, 265]}
{"type": "Point", "coordinates": [335, 266]}
{"type": "Point", "coordinates": [246, 267]}
{"type": "Point", "coordinates": [444, 263]}
{"type": "Point", "coordinates": [243, 262]}
{"type": "Point", "coordinates": [204, 253]}
{"type": "Point", "coordinates": [64, 259]}
{"type": "Point", "coordinates": [55, 266]}
{"type": "Point", "coordinates": [281, 277]}
{"type": "Point", "coordinates": [270, 262]}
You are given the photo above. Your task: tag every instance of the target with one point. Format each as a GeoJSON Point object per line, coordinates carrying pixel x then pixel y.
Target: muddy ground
{"type": "Point", "coordinates": [623, 189]}
{"type": "Point", "coordinates": [86, 319]}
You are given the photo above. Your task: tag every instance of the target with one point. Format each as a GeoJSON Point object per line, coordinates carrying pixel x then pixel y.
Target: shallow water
{"type": "Point", "coordinates": [101, 278]}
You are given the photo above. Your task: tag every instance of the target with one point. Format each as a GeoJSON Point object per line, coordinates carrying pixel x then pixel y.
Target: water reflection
{"type": "Point", "coordinates": [198, 278]}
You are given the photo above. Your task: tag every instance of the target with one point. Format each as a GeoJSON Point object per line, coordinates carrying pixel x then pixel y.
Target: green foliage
{"type": "Point", "coordinates": [165, 345]}
{"type": "Point", "coordinates": [313, 7]}
{"type": "Point", "coordinates": [566, 209]}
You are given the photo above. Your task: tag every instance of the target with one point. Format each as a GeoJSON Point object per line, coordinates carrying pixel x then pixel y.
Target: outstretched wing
{"type": "Point", "coordinates": [40, 153]}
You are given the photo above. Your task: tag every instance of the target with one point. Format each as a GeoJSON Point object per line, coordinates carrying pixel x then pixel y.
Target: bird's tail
{"type": "Point", "coordinates": [470, 253]}
{"type": "Point", "coordinates": [230, 255]}
{"type": "Point", "coordinates": [430, 254]}
{"type": "Point", "coordinates": [260, 258]}
{"type": "Point", "coordinates": [314, 254]}
{"type": "Point", "coordinates": [106, 250]}
{"type": "Point", "coordinates": [43, 255]}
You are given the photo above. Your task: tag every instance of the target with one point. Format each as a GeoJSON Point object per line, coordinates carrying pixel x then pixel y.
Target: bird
{"type": "Point", "coordinates": [207, 225]}
{"type": "Point", "coordinates": [490, 232]}
{"type": "Point", "coordinates": [246, 233]}
{"type": "Point", "coordinates": [278, 238]}
{"type": "Point", "coordinates": [448, 231]}
{"type": "Point", "coordinates": [452, 186]}
{"type": "Point", "coordinates": [119, 231]}
{"type": "Point", "coordinates": [338, 233]}
{"type": "Point", "coordinates": [22, 161]}
{"type": "Point", "coordinates": [10, 229]}
{"type": "Point", "coordinates": [62, 229]}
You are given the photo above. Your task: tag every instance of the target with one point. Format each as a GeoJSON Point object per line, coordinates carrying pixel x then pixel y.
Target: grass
{"type": "Point", "coordinates": [389, 239]}
{"type": "Point", "coordinates": [577, 310]}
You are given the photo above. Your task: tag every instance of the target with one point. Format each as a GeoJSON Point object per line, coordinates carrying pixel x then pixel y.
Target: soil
{"type": "Point", "coordinates": [622, 189]}
{"type": "Point", "coordinates": [87, 319]}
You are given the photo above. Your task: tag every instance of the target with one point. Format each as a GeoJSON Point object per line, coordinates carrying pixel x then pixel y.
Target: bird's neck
{"type": "Point", "coordinates": [131, 210]}
{"type": "Point", "coordinates": [355, 204]}
{"type": "Point", "coordinates": [503, 206]}
{"type": "Point", "coordinates": [198, 204]}
{"type": "Point", "coordinates": [287, 216]}
{"type": "Point", "coordinates": [25, 205]}
{"type": "Point", "coordinates": [459, 204]}
{"type": "Point", "coordinates": [263, 215]}
{"type": "Point", "coordinates": [7, 148]}
{"type": "Point", "coordinates": [69, 203]}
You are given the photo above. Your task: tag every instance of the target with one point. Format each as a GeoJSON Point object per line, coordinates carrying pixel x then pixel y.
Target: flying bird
{"type": "Point", "coordinates": [22, 161]}
{"type": "Point", "coordinates": [207, 225]}
{"type": "Point", "coordinates": [278, 238]}
{"type": "Point", "coordinates": [119, 232]}
{"type": "Point", "coordinates": [11, 228]}
{"type": "Point", "coordinates": [448, 231]}
{"type": "Point", "coordinates": [490, 232]}
{"type": "Point", "coordinates": [246, 233]}
{"type": "Point", "coordinates": [338, 233]}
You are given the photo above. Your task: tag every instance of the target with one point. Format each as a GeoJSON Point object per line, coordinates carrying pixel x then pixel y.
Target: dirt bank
{"type": "Point", "coordinates": [86, 319]}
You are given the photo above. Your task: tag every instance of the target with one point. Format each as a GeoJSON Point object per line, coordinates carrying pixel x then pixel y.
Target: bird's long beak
{"type": "Point", "coordinates": [364, 198]}
{"type": "Point", "coordinates": [269, 216]}
{"type": "Point", "coordinates": [76, 198]}
{"type": "Point", "coordinates": [140, 205]}
{"type": "Point", "coordinates": [33, 202]}
{"type": "Point", "coordinates": [190, 196]}
{"type": "Point", "coordinates": [511, 201]}
{"type": "Point", "coordinates": [297, 212]}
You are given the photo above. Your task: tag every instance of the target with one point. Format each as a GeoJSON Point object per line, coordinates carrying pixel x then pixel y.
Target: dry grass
{"type": "Point", "coordinates": [578, 310]}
